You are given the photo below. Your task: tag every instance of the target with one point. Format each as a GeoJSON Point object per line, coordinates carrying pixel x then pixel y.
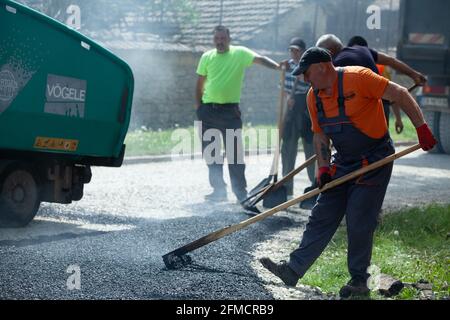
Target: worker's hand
{"type": "Point", "coordinates": [284, 63]}
{"type": "Point", "coordinates": [290, 102]}
{"type": "Point", "coordinates": [426, 138]}
{"type": "Point", "coordinates": [323, 176]}
{"type": "Point", "coordinates": [419, 79]}
{"type": "Point", "coordinates": [399, 126]}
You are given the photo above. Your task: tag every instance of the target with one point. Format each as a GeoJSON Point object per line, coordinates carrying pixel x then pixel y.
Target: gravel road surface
{"type": "Point", "coordinates": [131, 216]}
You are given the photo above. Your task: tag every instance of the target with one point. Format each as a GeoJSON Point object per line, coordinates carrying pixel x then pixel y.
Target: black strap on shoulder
{"type": "Point", "coordinates": [341, 98]}
{"type": "Point", "coordinates": [319, 104]}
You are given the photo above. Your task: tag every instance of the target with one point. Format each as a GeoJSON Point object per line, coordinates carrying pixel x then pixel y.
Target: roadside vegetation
{"type": "Point", "coordinates": [145, 141]}
{"type": "Point", "coordinates": [410, 245]}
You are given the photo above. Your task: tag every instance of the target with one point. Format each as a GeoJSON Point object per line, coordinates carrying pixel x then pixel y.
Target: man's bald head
{"type": "Point", "coordinates": [331, 43]}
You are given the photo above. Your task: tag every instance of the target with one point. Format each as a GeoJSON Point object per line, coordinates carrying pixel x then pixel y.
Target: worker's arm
{"type": "Point", "coordinates": [199, 90]}
{"type": "Point", "coordinates": [291, 96]}
{"type": "Point", "coordinates": [398, 119]}
{"type": "Point", "coordinates": [400, 96]}
{"type": "Point", "coordinates": [321, 144]}
{"type": "Point", "coordinates": [401, 67]}
{"type": "Point", "coordinates": [266, 62]}
{"type": "Point", "coordinates": [290, 100]}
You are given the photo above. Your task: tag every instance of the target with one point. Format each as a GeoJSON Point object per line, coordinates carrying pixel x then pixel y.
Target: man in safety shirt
{"type": "Point", "coordinates": [218, 92]}
{"type": "Point", "coordinates": [357, 53]}
{"type": "Point", "coordinates": [346, 109]}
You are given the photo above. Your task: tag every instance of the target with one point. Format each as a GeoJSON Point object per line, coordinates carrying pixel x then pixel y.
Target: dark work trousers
{"type": "Point", "coordinates": [360, 200]}
{"type": "Point", "coordinates": [223, 118]}
{"type": "Point", "coordinates": [296, 125]}
{"type": "Point", "coordinates": [361, 222]}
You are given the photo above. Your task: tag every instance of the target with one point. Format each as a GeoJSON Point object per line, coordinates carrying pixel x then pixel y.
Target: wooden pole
{"type": "Point", "coordinates": [233, 228]}
{"type": "Point", "coordinates": [274, 186]}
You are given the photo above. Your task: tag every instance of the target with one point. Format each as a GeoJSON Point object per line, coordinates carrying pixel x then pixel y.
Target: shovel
{"type": "Point", "coordinates": [177, 258]}
{"type": "Point", "coordinates": [272, 192]}
{"type": "Point", "coordinates": [276, 157]}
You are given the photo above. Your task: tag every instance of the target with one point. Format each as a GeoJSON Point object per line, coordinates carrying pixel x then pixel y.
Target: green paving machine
{"type": "Point", "coordinates": [65, 105]}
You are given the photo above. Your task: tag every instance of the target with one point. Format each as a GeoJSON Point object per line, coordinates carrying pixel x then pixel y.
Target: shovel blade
{"type": "Point", "coordinates": [264, 183]}
{"type": "Point", "coordinates": [173, 261]}
{"type": "Point", "coordinates": [275, 197]}
{"type": "Point", "coordinates": [251, 210]}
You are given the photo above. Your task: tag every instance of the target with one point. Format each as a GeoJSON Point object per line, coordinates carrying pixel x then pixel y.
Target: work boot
{"type": "Point", "coordinates": [281, 270]}
{"type": "Point", "coordinates": [356, 287]}
{"type": "Point", "coordinates": [217, 195]}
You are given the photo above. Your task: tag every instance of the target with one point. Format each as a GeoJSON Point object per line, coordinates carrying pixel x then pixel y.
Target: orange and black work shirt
{"type": "Point", "coordinates": [363, 90]}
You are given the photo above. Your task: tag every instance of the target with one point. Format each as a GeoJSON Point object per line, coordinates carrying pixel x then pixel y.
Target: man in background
{"type": "Point", "coordinates": [218, 93]}
{"type": "Point", "coordinates": [297, 123]}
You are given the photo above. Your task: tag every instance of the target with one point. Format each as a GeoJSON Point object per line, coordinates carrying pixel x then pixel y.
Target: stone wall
{"type": "Point", "coordinates": [165, 82]}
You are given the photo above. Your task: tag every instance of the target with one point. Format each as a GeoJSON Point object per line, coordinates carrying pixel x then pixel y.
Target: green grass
{"type": "Point", "coordinates": [409, 245]}
{"type": "Point", "coordinates": [151, 142]}
{"type": "Point", "coordinates": [159, 142]}
{"type": "Point", "coordinates": [408, 134]}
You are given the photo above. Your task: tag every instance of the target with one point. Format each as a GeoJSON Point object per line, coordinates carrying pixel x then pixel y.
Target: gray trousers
{"type": "Point", "coordinates": [296, 125]}
{"type": "Point", "coordinates": [223, 118]}
{"type": "Point", "coordinates": [289, 150]}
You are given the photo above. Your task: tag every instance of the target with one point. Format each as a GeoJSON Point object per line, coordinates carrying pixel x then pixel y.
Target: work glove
{"type": "Point", "coordinates": [426, 138]}
{"type": "Point", "coordinates": [323, 176]}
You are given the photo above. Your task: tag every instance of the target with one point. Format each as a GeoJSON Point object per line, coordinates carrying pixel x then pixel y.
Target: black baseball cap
{"type": "Point", "coordinates": [297, 43]}
{"type": "Point", "coordinates": [311, 56]}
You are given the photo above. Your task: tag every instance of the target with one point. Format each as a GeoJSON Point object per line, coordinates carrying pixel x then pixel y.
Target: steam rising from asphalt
{"type": "Point", "coordinates": [145, 35]}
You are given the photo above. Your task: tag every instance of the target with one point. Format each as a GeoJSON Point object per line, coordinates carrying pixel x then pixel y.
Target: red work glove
{"type": "Point", "coordinates": [323, 176]}
{"type": "Point", "coordinates": [426, 138]}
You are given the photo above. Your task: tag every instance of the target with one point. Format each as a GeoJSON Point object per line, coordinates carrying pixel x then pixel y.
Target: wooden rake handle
{"type": "Point", "coordinates": [276, 185]}
{"type": "Point", "coordinates": [230, 229]}
{"type": "Point", "coordinates": [291, 174]}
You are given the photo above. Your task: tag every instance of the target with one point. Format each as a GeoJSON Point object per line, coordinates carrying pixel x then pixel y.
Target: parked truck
{"type": "Point", "coordinates": [65, 105]}
{"type": "Point", "coordinates": [424, 44]}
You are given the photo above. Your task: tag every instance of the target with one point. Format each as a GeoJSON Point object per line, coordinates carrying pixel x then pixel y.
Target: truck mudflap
{"type": "Point", "coordinates": [105, 161]}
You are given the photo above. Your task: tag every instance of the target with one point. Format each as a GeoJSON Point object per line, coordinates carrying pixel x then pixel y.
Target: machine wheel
{"type": "Point", "coordinates": [19, 196]}
{"type": "Point", "coordinates": [444, 132]}
{"type": "Point", "coordinates": [432, 118]}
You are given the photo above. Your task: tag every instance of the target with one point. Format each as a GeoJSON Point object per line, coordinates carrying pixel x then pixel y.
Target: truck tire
{"type": "Point", "coordinates": [444, 132]}
{"type": "Point", "coordinates": [20, 196]}
{"type": "Point", "coordinates": [432, 118]}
